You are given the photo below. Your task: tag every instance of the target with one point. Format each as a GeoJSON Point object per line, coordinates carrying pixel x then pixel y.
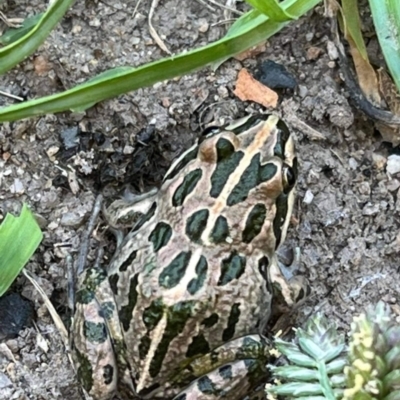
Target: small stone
{"type": "Point", "coordinates": [17, 187]}
{"type": "Point", "coordinates": [308, 197]}
{"type": "Point", "coordinates": [370, 209]}
{"type": "Point", "coordinates": [203, 25]}
{"type": "Point", "coordinates": [72, 219]}
{"type": "Point", "coordinates": [51, 151]}
{"type": "Point", "coordinates": [309, 36]}
{"type": "Point", "coordinates": [365, 188]}
{"type": "Point", "coordinates": [128, 149]}
{"type": "Point", "coordinates": [378, 160]}
{"type": "Point", "coordinates": [303, 91]}
{"type": "Point", "coordinates": [353, 164]}
{"type": "Point", "coordinates": [314, 52]}
{"type": "Point", "coordinates": [135, 41]}
{"type": "Point", "coordinates": [4, 381]}
{"type": "Point", "coordinates": [332, 50]}
{"type": "Point", "coordinates": [393, 164]}
{"type": "Point", "coordinates": [393, 185]}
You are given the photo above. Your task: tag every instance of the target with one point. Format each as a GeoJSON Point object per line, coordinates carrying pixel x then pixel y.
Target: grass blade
{"type": "Point", "coordinates": [271, 9]}
{"type": "Point", "coordinates": [15, 52]}
{"type": "Point", "coordinates": [115, 82]}
{"type": "Point", "coordinates": [19, 238]}
{"type": "Point", "coordinates": [386, 16]}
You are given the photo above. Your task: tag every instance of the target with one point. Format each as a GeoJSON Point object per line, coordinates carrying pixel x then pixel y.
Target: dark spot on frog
{"type": "Point", "coordinates": [144, 346]}
{"type": "Point", "coordinates": [263, 264]}
{"type": "Point", "coordinates": [210, 321]}
{"type": "Point", "coordinates": [199, 345]}
{"type": "Point", "coordinates": [280, 216]}
{"type": "Point", "coordinates": [85, 371]}
{"type": "Point", "coordinates": [196, 224]}
{"type": "Point", "coordinates": [160, 236]}
{"type": "Point", "coordinates": [125, 313]}
{"type": "Point", "coordinates": [220, 230]}
{"type": "Point", "coordinates": [227, 162]}
{"type": "Point", "coordinates": [152, 314]}
{"type": "Point", "coordinates": [113, 279]}
{"type": "Point", "coordinates": [232, 268]}
{"type": "Point", "coordinates": [233, 319]}
{"type": "Point", "coordinates": [95, 332]}
{"type": "Point", "coordinates": [128, 262]}
{"type": "Point", "coordinates": [207, 386]}
{"type": "Point", "coordinates": [171, 275]}
{"type": "Point", "coordinates": [108, 374]}
{"type": "Point", "coordinates": [254, 223]}
{"type": "Point", "coordinates": [226, 372]}
{"type": "Point", "coordinates": [201, 270]}
{"type": "Point", "coordinates": [186, 187]}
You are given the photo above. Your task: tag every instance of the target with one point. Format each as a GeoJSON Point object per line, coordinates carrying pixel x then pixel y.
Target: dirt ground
{"type": "Point", "coordinates": [347, 213]}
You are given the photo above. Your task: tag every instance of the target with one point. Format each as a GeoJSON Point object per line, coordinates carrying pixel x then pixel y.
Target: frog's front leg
{"type": "Point", "coordinates": [289, 289]}
{"type": "Point", "coordinates": [230, 371]}
{"type": "Point", "coordinates": [96, 337]}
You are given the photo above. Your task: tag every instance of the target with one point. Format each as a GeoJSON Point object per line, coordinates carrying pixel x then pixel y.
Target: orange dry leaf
{"type": "Point", "coordinates": [248, 88]}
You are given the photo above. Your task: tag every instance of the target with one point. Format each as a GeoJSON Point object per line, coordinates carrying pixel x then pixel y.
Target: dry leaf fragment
{"type": "Point", "coordinates": [248, 88]}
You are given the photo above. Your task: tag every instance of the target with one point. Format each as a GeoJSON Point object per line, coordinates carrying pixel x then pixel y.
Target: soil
{"type": "Point", "coordinates": [347, 213]}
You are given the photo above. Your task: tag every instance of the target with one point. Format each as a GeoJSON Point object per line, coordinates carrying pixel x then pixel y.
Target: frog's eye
{"type": "Point", "coordinates": [289, 177]}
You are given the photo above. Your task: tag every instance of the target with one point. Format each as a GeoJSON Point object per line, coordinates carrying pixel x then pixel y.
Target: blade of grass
{"type": "Point", "coordinates": [271, 9]}
{"type": "Point", "coordinates": [119, 81]}
{"type": "Point", "coordinates": [19, 238]}
{"type": "Point", "coordinates": [351, 26]}
{"type": "Point", "coordinates": [15, 52]}
{"type": "Point", "coordinates": [13, 34]}
{"type": "Point", "coordinates": [386, 17]}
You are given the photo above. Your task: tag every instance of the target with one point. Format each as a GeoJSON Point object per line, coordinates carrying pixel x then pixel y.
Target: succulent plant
{"type": "Point", "coordinates": [323, 367]}
{"type": "Point", "coordinates": [373, 370]}
{"type": "Point", "coordinates": [318, 357]}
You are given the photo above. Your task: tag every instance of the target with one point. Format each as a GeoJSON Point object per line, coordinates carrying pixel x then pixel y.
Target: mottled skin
{"type": "Point", "coordinates": [192, 283]}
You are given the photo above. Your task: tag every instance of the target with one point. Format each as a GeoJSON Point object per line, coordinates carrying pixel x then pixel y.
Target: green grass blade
{"type": "Point", "coordinates": [15, 52]}
{"type": "Point", "coordinates": [13, 34]}
{"type": "Point", "coordinates": [271, 9]}
{"type": "Point", "coordinates": [121, 80]}
{"type": "Point", "coordinates": [19, 238]}
{"type": "Point", "coordinates": [353, 25]}
{"type": "Point", "coordinates": [386, 16]}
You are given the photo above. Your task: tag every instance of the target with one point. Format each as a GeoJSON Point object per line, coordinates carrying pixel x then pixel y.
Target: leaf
{"type": "Point", "coordinates": [253, 29]}
{"type": "Point", "coordinates": [271, 9]}
{"type": "Point", "coordinates": [13, 34]}
{"type": "Point", "coordinates": [386, 16]}
{"type": "Point", "coordinates": [15, 52]}
{"type": "Point", "coordinates": [19, 238]}
{"type": "Point", "coordinates": [352, 31]}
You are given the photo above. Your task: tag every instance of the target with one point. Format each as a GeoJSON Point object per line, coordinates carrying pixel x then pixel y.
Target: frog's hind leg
{"type": "Point", "coordinates": [239, 366]}
{"type": "Point", "coordinates": [96, 337]}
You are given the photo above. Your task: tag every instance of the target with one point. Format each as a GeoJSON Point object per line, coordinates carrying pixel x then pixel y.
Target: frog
{"type": "Point", "coordinates": [181, 310]}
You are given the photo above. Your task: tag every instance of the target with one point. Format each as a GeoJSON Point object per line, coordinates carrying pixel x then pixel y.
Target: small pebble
{"type": "Point", "coordinates": [378, 160]}
{"type": "Point", "coordinates": [393, 164]}
{"type": "Point", "coordinates": [393, 185]}
{"type": "Point", "coordinates": [332, 50]}
{"type": "Point", "coordinates": [370, 209]}
{"type": "Point", "coordinates": [308, 197]}
{"type": "Point", "coordinates": [353, 164]}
